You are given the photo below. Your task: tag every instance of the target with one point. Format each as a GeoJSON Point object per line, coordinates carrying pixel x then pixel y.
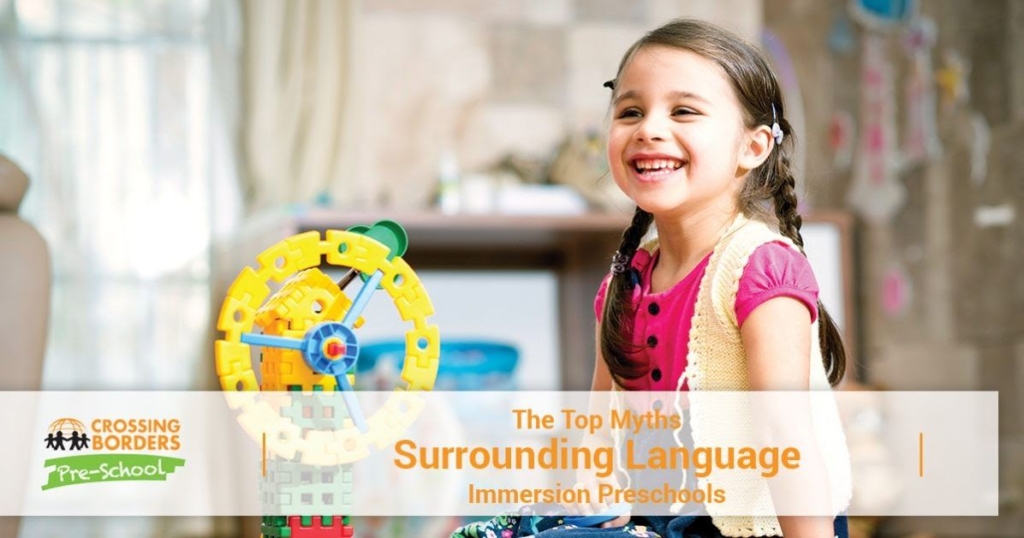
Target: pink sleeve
{"type": "Point", "coordinates": [599, 300]}
{"type": "Point", "coordinates": [776, 270]}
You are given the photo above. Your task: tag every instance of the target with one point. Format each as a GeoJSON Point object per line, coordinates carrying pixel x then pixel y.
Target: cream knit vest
{"type": "Point", "coordinates": [717, 362]}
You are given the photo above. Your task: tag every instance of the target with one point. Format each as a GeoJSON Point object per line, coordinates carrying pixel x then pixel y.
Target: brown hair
{"type": "Point", "coordinates": [770, 185]}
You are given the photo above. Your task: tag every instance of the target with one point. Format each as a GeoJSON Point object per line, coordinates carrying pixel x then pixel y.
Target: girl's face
{"type": "Point", "coordinates": [675, 143]}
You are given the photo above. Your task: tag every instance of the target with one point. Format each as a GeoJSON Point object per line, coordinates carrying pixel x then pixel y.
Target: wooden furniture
{"type": "Point", "coordinates": [25, 282]}
{"type": "Point", "coordinates": [577, 249]}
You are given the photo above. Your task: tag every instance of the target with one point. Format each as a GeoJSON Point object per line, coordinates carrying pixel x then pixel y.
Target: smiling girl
{"type": "Point", "coordinates": [724, 299]}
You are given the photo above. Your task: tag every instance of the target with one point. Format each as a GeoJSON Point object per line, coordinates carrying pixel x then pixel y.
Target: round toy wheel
{"type": "Point", "coordinates": [308, 339]}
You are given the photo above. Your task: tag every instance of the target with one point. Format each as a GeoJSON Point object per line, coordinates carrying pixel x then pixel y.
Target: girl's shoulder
{"type": "Point", "coordinates": [755, 263]}
{"type": "Point", "coordinates": [773, 270]}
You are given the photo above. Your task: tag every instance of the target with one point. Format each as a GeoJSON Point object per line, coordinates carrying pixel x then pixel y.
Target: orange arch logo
{"type": "Point", "coordinates": [67, 425]}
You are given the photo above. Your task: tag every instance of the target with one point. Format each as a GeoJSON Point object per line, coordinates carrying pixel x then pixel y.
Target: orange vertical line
{"type": "Point", "coordinates": [920, 454]}
{"type": "Point", "coordinates": [264, 457]}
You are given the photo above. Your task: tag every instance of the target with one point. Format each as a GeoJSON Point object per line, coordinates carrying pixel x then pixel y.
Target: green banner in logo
{"type": "Point", "coordinates": [94, 468]}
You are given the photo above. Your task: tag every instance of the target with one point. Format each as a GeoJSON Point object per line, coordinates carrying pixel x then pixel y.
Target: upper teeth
{"type": "Point", "coordinates": [656, 164]}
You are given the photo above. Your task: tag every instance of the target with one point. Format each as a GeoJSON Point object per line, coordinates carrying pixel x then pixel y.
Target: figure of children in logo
{"type": "Point", "coordinates": [79, 441]}
{"type": "Point", "coordinates": [55, 442]}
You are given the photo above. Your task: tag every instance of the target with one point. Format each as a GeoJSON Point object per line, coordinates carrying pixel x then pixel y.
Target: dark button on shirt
{"type": "Point", "coordinates": [652, 341]}
{"type": "Point", "coordinates": [656, 374]}
{"type": "Point", "coordinates": [653, 308]}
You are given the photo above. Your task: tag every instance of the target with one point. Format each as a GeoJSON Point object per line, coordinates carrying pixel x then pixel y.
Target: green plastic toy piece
{"type": "Point", "coordinates": [389, 233]}
{"type": "Point", "coordinates": [275, 531]}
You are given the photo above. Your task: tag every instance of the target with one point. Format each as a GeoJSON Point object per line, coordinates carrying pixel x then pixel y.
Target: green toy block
{"type": "Point", "coordinates": [274, 531]}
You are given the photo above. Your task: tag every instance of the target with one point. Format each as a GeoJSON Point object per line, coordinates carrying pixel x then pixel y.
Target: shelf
{"type": "Point", "coordinates": [500, 232]}
{"type": "Point", "coordinates": [577, 248]}
{"type": "Point", "coordinates": [437, 229]}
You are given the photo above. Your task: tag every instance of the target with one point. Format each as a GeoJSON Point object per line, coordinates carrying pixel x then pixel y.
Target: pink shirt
{"type": "Point", "coordinates": [662, 321]}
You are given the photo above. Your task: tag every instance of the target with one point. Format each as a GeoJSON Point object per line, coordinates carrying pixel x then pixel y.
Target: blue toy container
{"type": "Point", "coordinates": [465, 365]}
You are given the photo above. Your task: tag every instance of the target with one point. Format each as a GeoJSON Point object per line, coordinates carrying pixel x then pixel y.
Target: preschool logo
{"type": "Point", "coordinates": [103, 455]}
{"type": "Point", "coordinates": [67, 430]}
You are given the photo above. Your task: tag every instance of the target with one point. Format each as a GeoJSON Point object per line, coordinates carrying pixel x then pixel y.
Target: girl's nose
{"type": "Point", "coordinates": [651, 129]}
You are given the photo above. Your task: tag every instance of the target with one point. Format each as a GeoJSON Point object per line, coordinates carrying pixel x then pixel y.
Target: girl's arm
{"type": "Point", "coordinates": [599, 389]}
{"type": "Point", "coordinates": [602, 377]}
{"type": "Point", "coordinates": [777, 340]}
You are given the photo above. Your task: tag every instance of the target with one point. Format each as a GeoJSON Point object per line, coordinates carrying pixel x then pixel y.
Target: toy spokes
{"type": "Point", "coordinates": [362, 299]}
{"type": "Point", "coordinates": [352, 403]}
{"type": "Point", "coordinates": [264, 340]}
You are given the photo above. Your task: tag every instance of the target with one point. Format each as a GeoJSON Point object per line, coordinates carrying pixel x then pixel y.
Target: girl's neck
{"type": "Point", "coordinates": [685, 241]}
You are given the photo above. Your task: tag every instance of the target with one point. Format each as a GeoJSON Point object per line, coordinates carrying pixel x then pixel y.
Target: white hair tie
{"type": "Point", "coordinates": [777, 133]}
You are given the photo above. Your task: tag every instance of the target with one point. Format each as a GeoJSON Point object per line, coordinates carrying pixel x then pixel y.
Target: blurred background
{"type": "Point", "coordinates": [163, 144]}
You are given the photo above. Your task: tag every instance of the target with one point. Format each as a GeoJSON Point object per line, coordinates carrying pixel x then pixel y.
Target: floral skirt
{"type": "Point", "coordinates": [522, 526]}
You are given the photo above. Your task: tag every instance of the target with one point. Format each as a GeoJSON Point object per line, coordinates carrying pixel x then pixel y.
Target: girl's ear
{"type": "Point", "coordinates": [757, 145]}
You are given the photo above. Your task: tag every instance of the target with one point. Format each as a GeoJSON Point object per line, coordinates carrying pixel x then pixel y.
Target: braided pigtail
{"type": "Point", "coordinates": [783, 191]}
{"type": "Point", "coordinates": [616, 322]}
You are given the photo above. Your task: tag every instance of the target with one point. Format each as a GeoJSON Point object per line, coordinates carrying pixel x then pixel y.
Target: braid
{"type": "Point", "coordinates": [783, 190]}
{"type": "Point", "coordinates": [616, 324]}
{"type": "Point", "coordinates": [784, 193]}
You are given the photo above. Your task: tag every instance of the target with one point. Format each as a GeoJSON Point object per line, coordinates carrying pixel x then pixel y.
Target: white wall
{"type": "Point", "coordinates": [514, 307]}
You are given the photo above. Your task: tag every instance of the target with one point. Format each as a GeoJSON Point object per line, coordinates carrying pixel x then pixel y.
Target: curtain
{"type": "Point", "coordinates": [296, 95]}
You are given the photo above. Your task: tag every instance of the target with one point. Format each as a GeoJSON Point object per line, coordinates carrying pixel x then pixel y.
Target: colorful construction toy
{"type": "Point", "coordinates": [307, 335]}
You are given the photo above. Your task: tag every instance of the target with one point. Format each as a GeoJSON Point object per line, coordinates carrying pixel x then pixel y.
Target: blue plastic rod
{"type": "Point", "coordinates": [352, 403]}
{"type": "Point", "coordinates": [362, 299]}
{"type": "Point", "coordinates": [271, 341]}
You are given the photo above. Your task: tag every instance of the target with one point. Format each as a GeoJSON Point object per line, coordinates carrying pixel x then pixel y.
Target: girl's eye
{"type": "Point", "coordinates": [683, 112]}
{"type": "Point", "coordinates": [629, 113]}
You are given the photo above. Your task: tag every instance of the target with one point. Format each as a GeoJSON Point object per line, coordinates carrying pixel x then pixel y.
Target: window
{"type": "Point", "coordinates": [120, 114]}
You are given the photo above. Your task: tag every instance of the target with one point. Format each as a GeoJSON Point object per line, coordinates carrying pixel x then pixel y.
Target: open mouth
{"type": "Point", "coordinates": [654, 168]}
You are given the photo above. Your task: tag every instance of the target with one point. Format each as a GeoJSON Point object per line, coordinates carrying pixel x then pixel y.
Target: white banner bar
{"type": "Point", "coordinates": [480, 453]}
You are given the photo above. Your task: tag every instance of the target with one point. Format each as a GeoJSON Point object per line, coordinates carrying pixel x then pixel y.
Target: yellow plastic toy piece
{"type": "Point", "coordinates": [307, 298]}
{"type": "Point", "coordinates": [300, 305]}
